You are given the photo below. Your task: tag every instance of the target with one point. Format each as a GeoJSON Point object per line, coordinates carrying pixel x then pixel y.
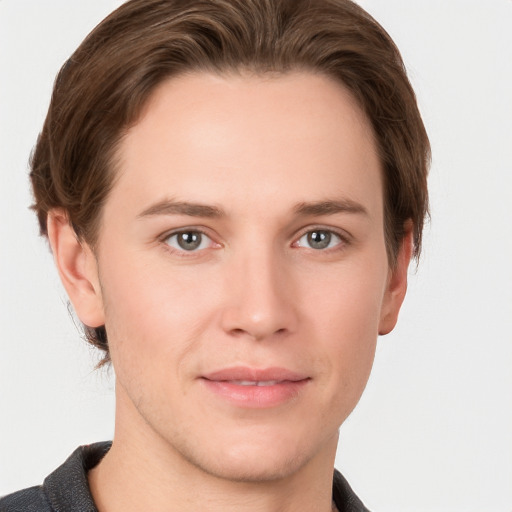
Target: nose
{"type": "Point", "coordinates": [260, 300]}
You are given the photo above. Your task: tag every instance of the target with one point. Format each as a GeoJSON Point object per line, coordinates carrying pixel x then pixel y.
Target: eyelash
{"type": "Point", "coordinates": [342, 243]}
{"type": "Point", "coordinates": [183, 252]}
{"type": "Point", "coordinates": [343, 240]}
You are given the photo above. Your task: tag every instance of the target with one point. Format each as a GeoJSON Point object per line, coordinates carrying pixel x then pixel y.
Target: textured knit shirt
{"type": "Point", "coordinates": [67, 488]}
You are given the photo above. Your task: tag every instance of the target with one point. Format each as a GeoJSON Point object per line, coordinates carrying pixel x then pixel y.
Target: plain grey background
{"type": "Point", "coordinates": [433, 431]}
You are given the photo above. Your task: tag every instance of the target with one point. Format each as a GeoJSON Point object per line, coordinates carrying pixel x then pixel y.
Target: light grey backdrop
{"type": "Point", "coordinates": [434, 430]}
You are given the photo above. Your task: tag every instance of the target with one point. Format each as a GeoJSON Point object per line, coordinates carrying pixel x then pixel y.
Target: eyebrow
{"type": "Point", "coordinates": [330, 207]}
{"type": "Point", "coordinates": [169, 207]}
{"type": "Point", "coordinates": [314, 209]}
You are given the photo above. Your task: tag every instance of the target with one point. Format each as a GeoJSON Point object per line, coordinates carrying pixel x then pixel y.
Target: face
{"type": "Point", "coordinates": [242, 271]}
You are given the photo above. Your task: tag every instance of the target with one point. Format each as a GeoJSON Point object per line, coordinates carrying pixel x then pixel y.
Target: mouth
{"type": "Point", "coordinates": [255, 388]}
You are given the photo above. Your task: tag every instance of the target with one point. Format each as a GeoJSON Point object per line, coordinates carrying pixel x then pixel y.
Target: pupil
{"type": "Point", "coordinates": [319, 239]}
{"type": "Point", "coordinates": [189, 240]}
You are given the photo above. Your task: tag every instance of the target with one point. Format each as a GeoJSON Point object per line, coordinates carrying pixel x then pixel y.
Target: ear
{"type": "Point", "coordinates": [397, 284]}
{"type": "Point", "coordinates": [77, 269]}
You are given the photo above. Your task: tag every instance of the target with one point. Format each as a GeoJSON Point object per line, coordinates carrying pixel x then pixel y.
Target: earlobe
{"type": "Point", "coordinates": [77, 269]}
{"type": "Point", "coordinates": [396, 287]}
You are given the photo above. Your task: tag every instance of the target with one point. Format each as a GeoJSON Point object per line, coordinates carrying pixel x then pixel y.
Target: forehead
{"type": "Point", "coordinates": [233, 138]}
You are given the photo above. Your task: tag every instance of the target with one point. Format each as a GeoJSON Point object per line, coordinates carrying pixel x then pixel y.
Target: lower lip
{"type": "Point", "coordinates": [256, 397]}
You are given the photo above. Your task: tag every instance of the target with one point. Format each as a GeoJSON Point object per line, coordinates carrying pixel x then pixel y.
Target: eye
{"type": "Point", "coordinates": [319, 239]}
{"type": "Point", "coordinates": [189, 240]}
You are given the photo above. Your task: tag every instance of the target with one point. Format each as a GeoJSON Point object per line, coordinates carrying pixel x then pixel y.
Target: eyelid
{"type": "Point", "coordinates": [184, 229]}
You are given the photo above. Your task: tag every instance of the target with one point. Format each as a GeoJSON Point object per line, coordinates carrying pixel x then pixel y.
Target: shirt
{"type": "Point", "coordinates": [67, 488]}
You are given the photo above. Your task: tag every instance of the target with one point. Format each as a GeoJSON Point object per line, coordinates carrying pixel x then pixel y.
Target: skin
{"type": "Point", "coordinates": [274, 159]}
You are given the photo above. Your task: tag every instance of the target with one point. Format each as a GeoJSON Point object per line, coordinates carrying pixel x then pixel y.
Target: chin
{"type": "Point", "coordinates": [262, 468]}
{"type": "Point", "coordinates": [258, 458]}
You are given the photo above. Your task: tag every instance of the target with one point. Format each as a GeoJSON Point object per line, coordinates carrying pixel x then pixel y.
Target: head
{"type": "Point", "coordinates": [150, 51]}
{"type": "Point", "coordinates": [144, 43]}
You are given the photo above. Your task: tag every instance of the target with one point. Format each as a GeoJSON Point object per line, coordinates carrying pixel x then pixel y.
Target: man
{"type": "Point", "coordinates": [232, 191]}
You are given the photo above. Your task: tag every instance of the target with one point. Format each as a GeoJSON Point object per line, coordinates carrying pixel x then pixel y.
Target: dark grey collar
{"type": "Point", "coordinates": [67, 488]}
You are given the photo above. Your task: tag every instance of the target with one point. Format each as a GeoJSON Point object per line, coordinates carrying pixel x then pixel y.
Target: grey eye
{"type": "Point", "coordinates": [319, 239]}
{"type": "Point", "coordinates": [188, 241]}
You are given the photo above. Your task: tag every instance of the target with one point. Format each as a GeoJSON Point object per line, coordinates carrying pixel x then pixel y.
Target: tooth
{"type": "Point", "coordinates": [255, 383]}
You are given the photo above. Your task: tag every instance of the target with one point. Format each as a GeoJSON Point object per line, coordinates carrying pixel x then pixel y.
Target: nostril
{"type": "Point", "coordinates": [239, 332]}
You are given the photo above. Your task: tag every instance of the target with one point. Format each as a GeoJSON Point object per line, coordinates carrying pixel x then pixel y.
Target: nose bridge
{"type": "Point", "coordinates": [260, 293]}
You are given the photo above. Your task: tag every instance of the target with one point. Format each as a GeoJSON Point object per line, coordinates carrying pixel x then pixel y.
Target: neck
{"type": "Point", "coordinates": [143, 472]}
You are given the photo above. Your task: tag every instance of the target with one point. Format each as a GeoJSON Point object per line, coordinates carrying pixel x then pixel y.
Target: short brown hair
{"type": "Point", "coordinates": [101, 89]}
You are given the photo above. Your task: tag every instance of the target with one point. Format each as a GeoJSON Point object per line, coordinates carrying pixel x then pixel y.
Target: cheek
{"type": "Point", "coordinates": [152, 317]}
{"type": "Point", "coordinates": [348, 299]}
{"type": "Point", "coordinates": [345, 316]}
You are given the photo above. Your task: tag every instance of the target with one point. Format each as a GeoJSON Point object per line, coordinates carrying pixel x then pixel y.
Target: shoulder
{"type": "Point", "coordinates": [344, 497]}
{"type": "Point", "coordinates": [32, 499]}
{"type": "Point", "coordinates": [64, 490]}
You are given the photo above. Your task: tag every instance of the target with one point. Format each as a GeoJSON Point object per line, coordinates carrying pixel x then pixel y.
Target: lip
{"type": "Point", "coordinates": [255, 388]}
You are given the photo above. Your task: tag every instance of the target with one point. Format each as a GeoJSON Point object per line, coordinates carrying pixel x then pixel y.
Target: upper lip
{"type": "Point", "coordinates": [243, 373]}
